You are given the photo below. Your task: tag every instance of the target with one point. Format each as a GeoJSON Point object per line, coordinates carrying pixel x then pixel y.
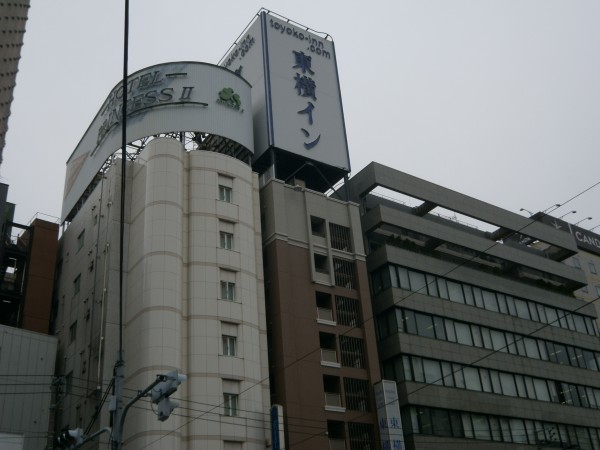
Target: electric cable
{"type": "Point", "coordinates": [412, 293]}
{"type": "Point", "coordinates": [372, 317]}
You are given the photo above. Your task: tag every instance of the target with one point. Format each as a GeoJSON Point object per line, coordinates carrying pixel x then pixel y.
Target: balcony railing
{"type": "Point", "coordinates": [325, 314]}
{"type": "Point", "coordinates": [337, 444]}
{"type": "Point", "coordinates": [333, 399]}
{"type": "Point", "coordinates": [328, 355]}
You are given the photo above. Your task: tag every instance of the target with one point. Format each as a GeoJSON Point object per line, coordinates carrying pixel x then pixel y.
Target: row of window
{"type": "Point", "coordinates": [435, 286]}
{"type": "Point", "coordinates": [449, 423]}
{"type": "Point", "coordinates": [436, 327]}
{"type": "Point", "coordinates": [443, 373]}
{"type": "Point", "coordinates": [227, 286]}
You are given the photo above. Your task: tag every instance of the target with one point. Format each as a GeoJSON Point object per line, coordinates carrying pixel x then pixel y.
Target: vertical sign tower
{"type": "Point", "coordinates": [299, 126]}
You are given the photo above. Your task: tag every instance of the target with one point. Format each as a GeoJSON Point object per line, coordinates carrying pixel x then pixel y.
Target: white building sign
{"type": "Point", "coordinates": [296, 97]}
{"type": "Point", "coordinates": [171, 97]}
{"type": "Point", "coordinates": [388, 415]}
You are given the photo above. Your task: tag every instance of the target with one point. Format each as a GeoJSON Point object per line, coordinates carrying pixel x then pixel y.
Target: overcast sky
{"type": "Point", "coordinates": [496, 99]}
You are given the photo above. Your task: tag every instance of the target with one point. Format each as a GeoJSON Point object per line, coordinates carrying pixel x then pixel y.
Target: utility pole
{"type": "Point", "coordinates": [119, 371]}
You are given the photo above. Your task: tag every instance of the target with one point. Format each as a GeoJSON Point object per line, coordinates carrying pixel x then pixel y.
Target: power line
{"type": "Point", "coordinates": [372, 317]}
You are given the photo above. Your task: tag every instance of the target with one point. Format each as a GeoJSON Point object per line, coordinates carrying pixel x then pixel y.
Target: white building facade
{"type": "Point", "coordinates": [193, 283]}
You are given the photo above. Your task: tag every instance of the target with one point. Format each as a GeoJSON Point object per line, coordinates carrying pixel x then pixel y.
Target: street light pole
{"type": "Point", "coordinates": [119, 371]}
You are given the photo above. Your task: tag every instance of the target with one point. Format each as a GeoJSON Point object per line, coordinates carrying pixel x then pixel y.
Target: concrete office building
{"type": "Point", "coordinates": [489, 347]}
{"type": "Point", "coordinates": [587, 258]}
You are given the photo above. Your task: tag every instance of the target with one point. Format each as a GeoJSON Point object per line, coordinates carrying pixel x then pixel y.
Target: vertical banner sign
{"type": "Point", "coordinates": [388, 415]}
{"type": "Point", "coordinates": [296, 96]}
{"type": "Point", "coordinates": [277, 437]}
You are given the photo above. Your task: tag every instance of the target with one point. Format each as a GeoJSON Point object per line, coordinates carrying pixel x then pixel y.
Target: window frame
{"type": "Point", "coordinates": [225, 193]}
{"type": "Point", "coordinates": [228, 290]}
{"type": "Point", "coordinates": [226, 240]}
{"type": "Point", "coordinates": [229, 345]}
{"type": "Point", "coordinates": [230, 404]}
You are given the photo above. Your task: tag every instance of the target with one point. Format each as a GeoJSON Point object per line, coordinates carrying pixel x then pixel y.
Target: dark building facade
{"type": "Point", "coordinates": [322, 349]}
{"type": "Point", "coordinates": [489, 347]}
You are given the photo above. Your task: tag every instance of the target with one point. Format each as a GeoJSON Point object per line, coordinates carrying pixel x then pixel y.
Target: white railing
{"type": "Point", "coordinates": [337, 444]}
{"type": "Point", "coordinates": [328, 355]}
{"type": "Point", "coordinates": [333, 399]}
{"type": "Point", "coordinates": [325, 314]}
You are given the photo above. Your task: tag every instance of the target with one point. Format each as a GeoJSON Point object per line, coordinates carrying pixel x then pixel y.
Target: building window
{"type": "Point", "coordinates": [321, 265]}
{"type": "Point", "coordinates": [324, 308]}
{"type": "Point", "coordinates": [226, 233]}
{"type": "Point", "coordinates": [347, 311]}
{"type": "Point", "coordinates": [227, 285]}
{"type": "Point", "coordinates": [227, 290]}
{"type": "Point", "coordinates": [401, 277]}
{"type": "Point", "coordinates": [592, 268]}
{"type": "Point", "coordinates": [225, 188]}
{"type": "Point", "coordinates": [231, 389]}
{"type": "Point", "coordinates": [77, 284]}
{"type": "Point", "coordinates": [229, 345]}
{"type": "Point", "coordinates": [460, 424]}
{"type": "Point", "coordinates": [317, 226]}
{"type": "Point", "coordinates": [361, 436]}
{"type": "Point", "coordinates": [229, 333]}
{"type": "Point", "coordinates": [576, 262]}
{"type": "Point", "coordinates": [340, 237]}
{"type": "Point", "coordinates": [226, 240]}
{"type": "Point", "coordinates": [344, 273]}
{"type": "Point", "coordinates": [225, 193]}
{"type": "Point", "coordinates": [474, 335]}
{"type": "Point", "coordinates": [230, 404]}
{"type": "Point", "coordinates": [80, 240]}
{"type": "Point", "coordinates": [357, 394]}
{"type": "Point", "coordinates": [73, 332]}
{"type": "Point", "coordinates": [352, 352]}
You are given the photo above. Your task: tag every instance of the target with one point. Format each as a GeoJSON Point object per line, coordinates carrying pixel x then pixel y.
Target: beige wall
{"type": "Point", "coordinates": [174, 316]}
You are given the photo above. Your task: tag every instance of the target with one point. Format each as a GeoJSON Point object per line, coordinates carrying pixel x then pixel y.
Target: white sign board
{"type": "Point", "coordinates": [171, 97]}
{"type": "Point", "coordinates": [296, 96]}
{"type": "Point", "coordinates": [388, 415]}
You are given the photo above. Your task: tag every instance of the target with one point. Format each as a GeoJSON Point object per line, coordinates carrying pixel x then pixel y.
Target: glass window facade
{"type": "Point", "coordinates": [468, 425]}
{"type": "Point", "coordinates": [443, 373]}
{"type": "Point", "coordinates": [421, 324]}
{"type": "Point", "coordinates": [433, 285]}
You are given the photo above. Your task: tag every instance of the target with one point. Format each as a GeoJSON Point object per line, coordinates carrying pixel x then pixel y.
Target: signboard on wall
{"type": "Point", "coordinates": [388, 415]}
{"type": "Point", "coordinates": [297, 104]}
{"type": "Point", "coordinates": [585, 239]}
{"type": "Point", "coordinates": [171, 97]}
